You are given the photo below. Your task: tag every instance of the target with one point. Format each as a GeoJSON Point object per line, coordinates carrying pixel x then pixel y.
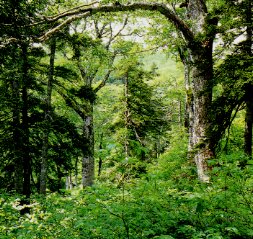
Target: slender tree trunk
{"type": "Point", "coordinates": [25, 141]}
{"type": "Point", "coordinates": [127, 118]}
{"type": "Point", "coordinates": [76, 172]}
{"type": "Point", "coordinates": [249, 87]}
{"type": "Point", "coordinates": [47, 120]}
{"type": "Point", "coordinates": [100, 161]}
{"type": "Point", "coordinates": [88, 152]}
{"type": "Point", "coordinates": [17, 152]}
{"type": "Point", "coordinates": [189, 113]}
{"type": "Point", "coordinates": [25, 131]}
{"type": "Point", "coordinates": [69, 182]}
{"type": "Point", "coordinates": [248, 123]}
{"type": "Point", "coordinates": [188, 116]}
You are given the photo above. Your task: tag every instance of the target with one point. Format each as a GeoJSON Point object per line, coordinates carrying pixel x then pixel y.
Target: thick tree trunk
{"type": "Point", "coordinates": [201, 66]}
{"type": "Point", "coordinates": [47, 120]}
{"type": "Point", "coordinates": [202, 98]}
{"type": "Point", "coordinates": [88, 152]}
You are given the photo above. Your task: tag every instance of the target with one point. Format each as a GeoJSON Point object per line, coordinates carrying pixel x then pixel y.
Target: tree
{"type": "Point", "coordinates": [94, 61]}
{"type": "Point", "coordinates": [198, 28]}
{"type": "Point", "coordinates": [47, 119]}
{"type": "Point", "coordinates": [143, 116]}
{"type": "Point", "coordinates": [234, 72]}
{"type": "Point", "coordinates": [199, 38]}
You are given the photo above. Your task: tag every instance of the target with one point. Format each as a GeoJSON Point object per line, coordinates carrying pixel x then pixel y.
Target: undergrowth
{"type": "Point", "coordinates": [166, 202]}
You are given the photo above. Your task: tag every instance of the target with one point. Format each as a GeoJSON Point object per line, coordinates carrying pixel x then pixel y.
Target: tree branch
{"type": "Point", "coordinates": [56, 29]}
{"type": "Point", "coordinates": [70, 12]}
{"type": "Point", "coordinates": [102, 84]}
{"type": "Point", "coordinates": [158, 7]}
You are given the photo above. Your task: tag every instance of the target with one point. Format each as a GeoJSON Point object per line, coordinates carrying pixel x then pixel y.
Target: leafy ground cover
{"type": "Point", "coordinates": [167, 202]}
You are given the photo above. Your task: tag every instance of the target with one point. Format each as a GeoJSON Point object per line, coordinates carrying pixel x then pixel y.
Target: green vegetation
{"type": "Point", "coordinates": [126, 119]}
{"type": "Point", "coordinates": [166, 202]}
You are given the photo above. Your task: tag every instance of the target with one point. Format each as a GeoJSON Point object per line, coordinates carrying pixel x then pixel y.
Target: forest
{"type": "Point", "coordinates": [126, 119]}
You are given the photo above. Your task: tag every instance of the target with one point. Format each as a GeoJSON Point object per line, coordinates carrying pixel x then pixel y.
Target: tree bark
{"type": "Point", "coordinates": [127, 117]}
{"type": "Point", "coordinates": [88, 150]}
{"type": "Point", "coordinates": [248, 122]}
{"type": "Point", "coordinates": [201, 65]}
{"type": "Point", "coordinates": [188, 117]}
{"type": "Point", "coordinates": [100, 161]}
{"type": "Point", "coordinates": [47, 120]}
{"type": "Point", "coordinates": [16, 124]}
{"type": "Point", "coordinates": [200, 125]}
{"type": "Point", "coordinates": [26, 157]}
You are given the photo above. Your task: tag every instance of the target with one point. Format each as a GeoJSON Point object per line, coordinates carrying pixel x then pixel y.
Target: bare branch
{"type": "Point", "coordinates": [70, 12]}
{"type": "Point", "coordinates": [117, 34]}
{"type": "Point", "coordinates": [5, 43]}
{"type": "Point", "coordinates": [85, 11]}
{"type": "Point", "coordinates": [56, 29]}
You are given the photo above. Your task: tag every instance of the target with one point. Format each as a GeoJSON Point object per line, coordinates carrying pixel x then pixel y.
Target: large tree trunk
{"type": "Point", "coordinates": [201, 66]}
{"type": "Point", "coordinates": [47, 120]}
{"type": "Point", "coordinates": [196, 57]}
{"type": "Point", "coordinates": [202, 97]}
{"type": "Point", "coordinates": [198, 82]}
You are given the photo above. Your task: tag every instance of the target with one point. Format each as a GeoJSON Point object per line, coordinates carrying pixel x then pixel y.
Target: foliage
{"type": "Point", "coordinates": [152, 191]}
{"type": "Point", "coordinates": [168, 202]}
